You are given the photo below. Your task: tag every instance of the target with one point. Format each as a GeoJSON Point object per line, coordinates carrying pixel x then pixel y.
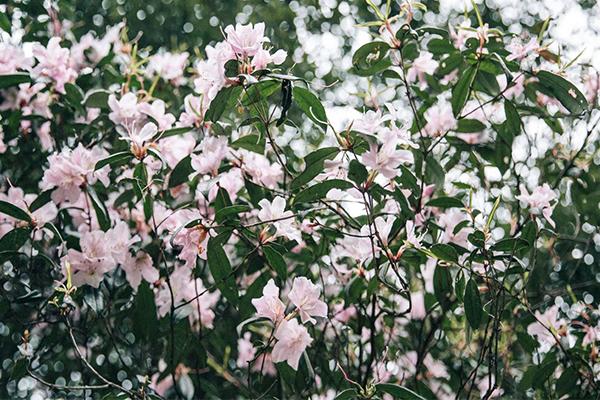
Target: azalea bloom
{"type": "Point", "coordinates": [89, 265]}
{"type": "Point", "coordinates": [269, 305]}
{"type": "Point", "coordinates": [156, 110]}
{"type": "Point", "coordinates": [138, 267]}
{"type": "Point", "coordinates": [194, 242]}
{"type": "Point", "coordinates": [539, 201]}
{"type": "Point", "coordinates": [246, 40]}
{"type": "Point", "coordinates": [384, 227]}
{"type": "Point", "coordinates": [305, 296]}
{"type": "Point", "coordinates": [169, 66]}
{"type": "Point", "coordinates": [440, 119]}
{"type": "Point", "coordinates": [386, 159]}
{"type": "Point", "coordinates": [213, 151]}
{"type": "Point", "coordinates": [54, 62]}
{"type": "Point", "coordinates": [292, 340]}
{"type": "Point", "coordinates": [70, 169]}
{"type": "Point", "coordinates": [519, 51]}
{"type": "Point", "coordinates": [424, 64]}
{"type": "Point", "coordinates": [124, 111]}
{"type": "Point", "coordinates": [141, 139]}
{"type": "Point", "coordinates": [263, 58]}
{"type": "Point", "coordinates": [274, 213]}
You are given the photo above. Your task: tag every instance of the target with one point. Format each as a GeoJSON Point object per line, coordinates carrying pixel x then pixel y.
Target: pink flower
{"type": "Point", "coordinates": [140, 139]}
{"type": "Point", "coordinates": [546, 326]}
{"type": "Point", "coordinates": [232, 181]}
{"type": "Point", "coordinates": [519, 51]}
{"type": "Point", "coordinates": [120, 240]}
{"type": "Point", "coordinates": [305, 296]}
{"type": "Point", "coordinates": [214, 149]}
{"type": "Point", "coordinates": [263, 58]}
{"type": "Point", "coordinates": [260, 169]}
{"type": "Point", "coordinates": [386, 159]}
{"type": "Point", "coordinates": [157, 112]}
{"type": "Point", "coordinates": [194, 111]}
{"type": "Point", "coordinates": [370, 122]}
{"type": "Point", "coordinates": [247, 354]}
{"type": "Point", "coordinates": [269, 305]}
{"type": "Point", "coordinates": [54, 63]}
{"type": "Point", "coordinates": [539, 201]}
{"type": "Point", "coordinates": [89, 265]}
{"type": "Point", "coordinates": [274, 212]}
{"type": "Point", "coordinates": [440, 119]}
{"type": "Point", "coordinates": [13, 59]}
{"type": "Point", "coordinates": [138, 267]}
{"type": "Point", "coordinates": [70, 169]}
{"type": "Point", "coordinates": [169, 66]}
{"type": "Point", "coordinates": [194, 242]}
{"type": "Point", "coordinates": [124, 111]}
{"type": "Point", "coordinates": [424, 64]}
{"type": "Point", "coordinates": [384, 227]}
{"type": "Point", "coordinates": [246, 40]}
{"type": "Point", "coordinates": [293, 339]}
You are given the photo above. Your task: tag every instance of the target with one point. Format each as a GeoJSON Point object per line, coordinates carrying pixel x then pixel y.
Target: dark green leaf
{"type": "Point", "coordinates": [7, 81]}
{"type": "Point", "coordinates": [221, 271]}
{"type": "Point", "coordinates": [116, 158]}
{"type": "Point", "coordinates": [563, 90]}
{"type": "Point", "coordinates": [371, 58]}
{"type": "Point", "coordinates": [357, 172]}
{"type": "Point", "coordinates": [14, 240]}
{"type": "Point", "coordinates": [226, 212]}
{"type": "Point", "coordinates": [310, 105]}
{"type": "Point", "coordinates": [462, 89]}
{"type": "Point", "coordinates": [225, 98]}
{"type": "Point", "coordinates": [314, 165]}
{"type": "Point", "coordinates": [97, 99]}
{"type": "Point", "coordinates": [100, 209]}
{"type": "Point", "coordinates": [14, 211]}
{"type": "Point", "coordinates": [253, 143]}
{"type": "Point", "coordinates": [181, 172]}
{"type": "Point", "coordinates": [276, 261]}
{"type": "Point", "coordinates": [398, 392]}
{"type": "Point", "coordinates": [320, 190]}
{"type": "Point", "coordinates": [442, 286]}
{"type": "Point", "coordinates": [445, 252]}
{"type": "Point", "coordinates": [470, 126]}
{"type": "Point", "coordinates": [445, 202]}
{"type": "Point", "coordinates": [473, 307]}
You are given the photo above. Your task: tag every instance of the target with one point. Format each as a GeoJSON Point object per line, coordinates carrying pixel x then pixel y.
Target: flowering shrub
{"type": "Point", "coordinates": [177, 226]}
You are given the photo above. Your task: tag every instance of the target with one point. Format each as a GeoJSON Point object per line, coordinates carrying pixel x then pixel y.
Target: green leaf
{"type": "Point", "coordinates": [477, 239]}
{"type": "Point", "coordinates": [226, 212]}
{"type": "Point", "coordinates": [74, 96]}
{"type": "Point", "coordinates": [442, 286]}
{"type": "Point", "coordinates": [14, 240]}
{"type": "Point", "coordinates": [181, 172]}
{"type": "Point", "coordinates": [398, 392]}
{"type": "Point", "coordinates": [445, 202]}
{"type": "Point", "coordinates": [253, 143]}
{"type": "Point", "coordinates": [357, 172]}
{"type": "Point", "coordinates": [445, 252]}
{"type": "Point", "coordinates": [310, 105]}
{"type": "Point", "coordinates": [225, 98]}
{"type": "Point", "coordinates": [276, 261]}
{"type": "Point", "coordinates": [14, 211]}
{"type": "Point", "coordinates": [100, 209]}
{"type": "Point", "coordinates": [473, 307]}
{"type": "Point", "coordinates": [144, 313]}
{"type": "Point", "coordinates": [175, 132]}
{"type": "Point", "coordinates": [4, 22]}
{"type": "Point", "coordinates": [564, 91]}
{"type": "Point", "coordinates": [470, 126]}
{"type": "Point", "coordinates": [371, 58]}
{"type": "Point", "coordinates": [567, 381]}
{"type": "Point", "coordinates": [314, 165]}
{"type": "Point", "coordinates": [513, 119]}
{"type": "Point", "coordinates": [510, 245]}
{"type": "Point", "coordinates": [221, 271]}
{"type": "Point", "coordinates": [348, 394]}
{"type": "Point", "coordinates": [462, 89]}
{"type": "Point", "coordinates": [320, 190]}
{"type": "Point", "coordinates": [42, 199]}
{"type": "Point", "coordinates": [11, 80]}
{"type": "Point", "coordinates": [116, 158]}
{"type": "Point", "coordinates": [97, 99]}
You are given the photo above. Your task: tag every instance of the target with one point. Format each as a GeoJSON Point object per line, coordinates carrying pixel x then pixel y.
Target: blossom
{"type": "Point", "coordinates": [138, 267]}
{"type": "Point", "coordinates": [440, 119]}
{"type": "Point", "coordinates": [194, 242]}
{"type": "Point", "coordinates": [263, 58]}
{"type": "Point", "coordinates": [519, 51]}
{"type": "Point", "coordinates": [13, 59]}
{"type": "Point", "coordinates": [169, 66]}
{"type": "Point", "coordinates": [305, 296]}
{"type": "Point", "coordinates": [54, 63]}
{"type": "Point", "coordinates": [539, 201]}
{"type": "Point", "coordinates": [274, 212]}
{"type": "Point", "coordinates": [141, 139]}
{"type": "Point", "coordinates": [424, 64]}
{"type": "Point", "coordinates": [260, 169]}
{"type": "Point", "coordinates": [213, 151]}
{"type": "Point", "coordinates": [124, 111]}
{"type": "Point", "coordinates": [386, 159]}
{"type": "Point", "coordinates": [292, 340]}
{"type": "Point", "coordinates": [246, 40]}
{"type": "Point", "coordinates": [70, 169]}
{"type": "Point", "coordinates": [156, 110]}
{"type": "Point", "coordinates": [89, 265]}
{"type": "Point", "coordinates": [384, 227]}
{"type": "Point", "coordinates": [546, 326]}
{"type": "Point", "coordinates": [269, 305]}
